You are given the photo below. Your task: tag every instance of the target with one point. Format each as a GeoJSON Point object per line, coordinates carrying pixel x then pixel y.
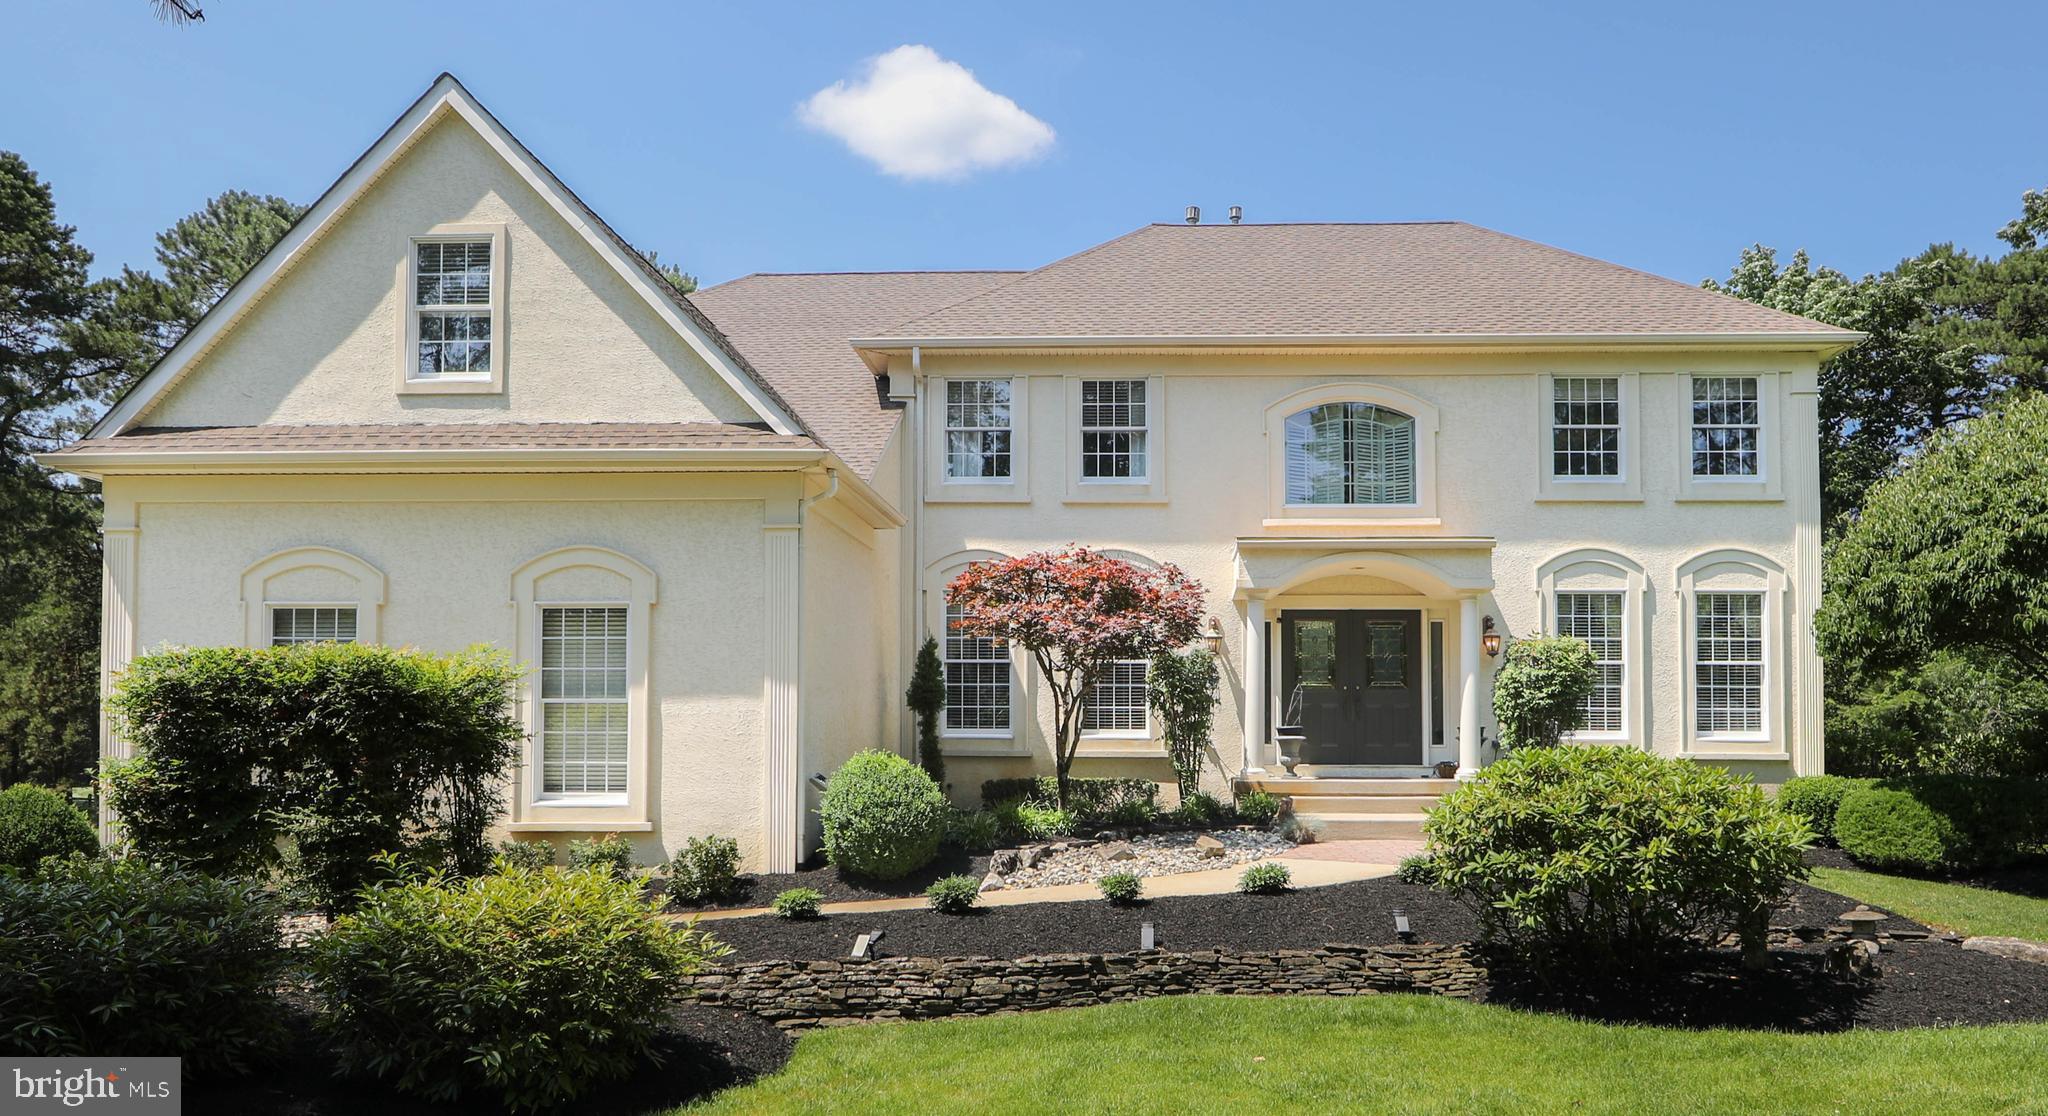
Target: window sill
{"type": "Point", "coordinates": [1739, 757]}
{"type": "Point", "coordinates": [1355, 522]}
{"type": "Point", "coordinates": [1119, 747]}
{"type": "Point", "coordinates": [1739, 496]}
{"type": "Point", "coordinates": [1573, 494]}
{"type": "Point", "coordinates": [620, 826]}
{"type": "Point", "coordinates": [970, 746]}
{"type": "Point", "coordinates": [451, 387]}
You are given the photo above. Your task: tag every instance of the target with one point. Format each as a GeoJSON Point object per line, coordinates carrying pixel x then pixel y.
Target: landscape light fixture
{"type": "Point", "coordinates": [1488, 638]}
{"type": "Point", "coordinates": [1212, 636]}
{"type": "Point", "coordinates": [1145, 936]}
{"type": "Point", "coordinates": [1401, 931]}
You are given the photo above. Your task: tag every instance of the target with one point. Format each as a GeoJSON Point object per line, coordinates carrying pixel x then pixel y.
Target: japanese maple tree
{"type": "Point", "coordinates": [1077, 611]}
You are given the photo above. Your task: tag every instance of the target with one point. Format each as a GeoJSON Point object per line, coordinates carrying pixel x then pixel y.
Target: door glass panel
{"type": "Point", "coordinates": [1315, 652]}
{"type": "Point", "coordinates": [1386, 653]}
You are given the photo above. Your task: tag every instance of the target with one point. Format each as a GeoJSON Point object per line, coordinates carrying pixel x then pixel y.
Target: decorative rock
{"type": "Point", "coordinates": [1208, 846]}
{"type": "Point", "coordinates": [1120, 850]}
{"type": "Point", "coordinates": [1154, 855]}
{"type": "Point", "coordinates": [1034, 856]}
{"type": "Point", "coordinates": [1002, 862]}
{"type": "Point", "coordinates": [2018, 949]}
{"type": "Point", "coordinates": [991, 882]}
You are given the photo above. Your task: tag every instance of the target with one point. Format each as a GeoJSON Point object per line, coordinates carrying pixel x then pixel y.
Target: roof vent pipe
{"type": "Point", "coordinates": [1236, 214]}
{"type": "Point", "coordinates": [1194, 215]}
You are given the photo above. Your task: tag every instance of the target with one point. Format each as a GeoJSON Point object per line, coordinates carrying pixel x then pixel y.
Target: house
{"type": "Point", "coordinates": [452, 407]}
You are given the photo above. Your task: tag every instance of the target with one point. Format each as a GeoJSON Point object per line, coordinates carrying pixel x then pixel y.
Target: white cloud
{"type": "Point", "coordinates": [917, 115]}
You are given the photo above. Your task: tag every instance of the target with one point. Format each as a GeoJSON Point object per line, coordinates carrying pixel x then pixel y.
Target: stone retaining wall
{"type": "Point", "coordinates": [822, 993]}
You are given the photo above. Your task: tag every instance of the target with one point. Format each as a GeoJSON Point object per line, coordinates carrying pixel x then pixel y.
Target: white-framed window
{"type": "Point", "coordinates": [1585, 427]}
{"type": "Point", "coordinates": [453, 299]}
{"type": "Point", "coordinates": [292, 624]}
{"type": "Point", "coordinates": [583, 701]}
{"type": "Point", "coordinates": [1727, 426]}
{"type": "Point", "coordinates": [1728, 663]}
{"type": "Point", "coordinates": [1598, 619]}
{"type": "Point", "coordinates": [1117, 703]}
{"type": "Point", "coordinates": [1114, 425]}
{"type": "Point", "coordinates": [978, 430]}
{"type": "Point", "coordinates": [977, 679]}
{"type": "Point", "coordinates": [1351, 453]}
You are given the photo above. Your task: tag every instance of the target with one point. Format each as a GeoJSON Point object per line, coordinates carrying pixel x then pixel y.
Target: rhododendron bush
{"type": "Point", "coordinates": [1077, 611]}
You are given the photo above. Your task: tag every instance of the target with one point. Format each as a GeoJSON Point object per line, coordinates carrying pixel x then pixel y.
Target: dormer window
{"type": "Point", "coordinates": [454, 303]}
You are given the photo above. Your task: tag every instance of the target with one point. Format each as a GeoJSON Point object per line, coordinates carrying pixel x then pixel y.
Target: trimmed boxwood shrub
{"type": "Point", "coordinates": [1122, 888]}
{"type": "Point", "coordinates": [953, 895]}
{"type": "Point", "coordinates": [707, 868]}
{"type": "Point", "coordinates": [611, 854]}
{"type": "Point", "coordinates": [527, 987]}
{"type": "Point", "coordinates": [1815, 798]}
{"type": "Point", "coordinates": [36, 822]}
{"type": "Point", "coordinates": [124, 956]}
{"type": "Point", "coordinates": [1612, 856]}
{"type": "Point", "coordinates": [799, 902]}
{"type": "Point", "coordinates": [883, 816]}
{"type": "Point", "coordinates": [1955, 823]}
{"type": "Point", "coordinates": [1890, 828]}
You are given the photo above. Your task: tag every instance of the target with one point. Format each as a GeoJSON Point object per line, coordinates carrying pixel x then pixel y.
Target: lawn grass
{"type": "Point", "coordinates": [1957, 907]}
{"type": "Point", "coordinates": [1399, 1054]}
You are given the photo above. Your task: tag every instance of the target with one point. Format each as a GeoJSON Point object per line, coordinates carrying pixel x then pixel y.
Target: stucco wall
{"type": "Point", "coordinates": [448, 547]}
{"type": "Point", "coordinates": [1217, 472]}
{"type": "Point", "coordinates": [324, 344]}
{"type": "Point", "coordinates": [850, 688]}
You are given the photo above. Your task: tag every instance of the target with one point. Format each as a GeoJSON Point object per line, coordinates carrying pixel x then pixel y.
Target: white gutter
{"type": "Point", "coordinates": [1780, 339]}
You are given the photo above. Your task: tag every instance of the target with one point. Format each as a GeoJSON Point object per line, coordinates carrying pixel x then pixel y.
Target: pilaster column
{"type": "Point", "coordinates": [1254, 686]}
{"type": "Point", "coordinates": [781, 690]}
{"type": "Point", "coordinates": [118, 546]}
{"type": "Point", "coordinates": [1468, 688]}
{"type": "Point", "coordinates": [1809, 743]}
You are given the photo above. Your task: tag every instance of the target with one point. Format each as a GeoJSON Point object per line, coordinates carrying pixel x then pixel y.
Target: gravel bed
{"type": "Point", "coordinates": [1159, 854]}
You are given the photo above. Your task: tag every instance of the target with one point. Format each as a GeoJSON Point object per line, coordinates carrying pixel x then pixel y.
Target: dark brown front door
{"type": "Point", "coordinates": [1352, 680]}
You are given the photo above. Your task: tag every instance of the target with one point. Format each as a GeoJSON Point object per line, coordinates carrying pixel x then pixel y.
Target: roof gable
{"type": "Point", "coordinates": [665, 310]}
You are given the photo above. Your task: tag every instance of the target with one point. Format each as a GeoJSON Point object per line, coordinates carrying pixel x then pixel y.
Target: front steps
{"type": "Point", "coordinates": [1357, 809]}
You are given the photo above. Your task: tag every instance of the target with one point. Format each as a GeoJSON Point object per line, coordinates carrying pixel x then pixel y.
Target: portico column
{"type": "Point", "coordinates": [1468, 688]}
{"type": "Point", "coordinates": [1254, 686]}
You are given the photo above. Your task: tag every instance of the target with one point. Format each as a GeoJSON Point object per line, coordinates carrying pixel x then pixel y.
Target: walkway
{"type": "Point", "coordinates": [1319, 865]}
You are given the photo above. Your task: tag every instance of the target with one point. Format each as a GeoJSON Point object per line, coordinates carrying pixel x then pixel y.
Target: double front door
{"type": "Point", "coordinates": [1352, 681]}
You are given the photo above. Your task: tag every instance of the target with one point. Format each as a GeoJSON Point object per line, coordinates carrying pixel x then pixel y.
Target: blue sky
{"type": "Point", "coordinates": [1659, 138]}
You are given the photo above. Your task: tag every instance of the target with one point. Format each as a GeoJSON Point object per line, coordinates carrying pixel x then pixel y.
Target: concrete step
{"type": "Point", "coordinates": [1402, 804]}
{"type": "Point", "coordinates": [1361, 827]}
{"type": "Point", "coordinates": [1304, 788]}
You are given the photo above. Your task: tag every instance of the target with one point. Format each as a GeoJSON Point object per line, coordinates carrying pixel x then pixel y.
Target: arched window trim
{"type": "Point", "coordinates": [257, 601]}
{"type": "Point", "coordinates": [1422, 511]}
{"type": "Point", "coordinates": [1608, 572]}
{"type": "Point", "coordinates": [1737, 570]}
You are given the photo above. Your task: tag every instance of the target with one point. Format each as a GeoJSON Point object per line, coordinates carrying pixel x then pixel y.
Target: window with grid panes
{"type": "Point", "coordinates": [1596, 618]}
{"type": "Point", "coordinates": [1585, 426]}
{"type": "Point", "coordinates": [1113, 430]}
{"type": "Point", "coordinates": [978, 429]}
{"type": "Point", "coordinates": [583, 701]}
{"type": "Point", "coordinates": [1728, 663]}
{"type": "Point", "coordinates": [1116, 703]}
{"type": "Point", "coordinates": [977, 679]}
{"type": "Point", "coordinates": [1727, 422]}
{"type": "Point", "coordinates": [314, 624]}
{"type": "Point", "coordinates": [1350, 453]}
{"type": "Point", "coordinates": [452, 296]}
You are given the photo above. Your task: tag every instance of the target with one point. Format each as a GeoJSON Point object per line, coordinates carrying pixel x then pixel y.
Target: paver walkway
{"type": "Point", "coordinates": [1318, 865]}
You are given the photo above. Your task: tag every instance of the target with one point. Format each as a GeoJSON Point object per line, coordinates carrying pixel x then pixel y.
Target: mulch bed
{"type": "Point", "coordinates": [1921, 983]}
{"type": "Point", "coordinates": [759, 891]}
{"type": "Point", "coordinates": [703, 1050]}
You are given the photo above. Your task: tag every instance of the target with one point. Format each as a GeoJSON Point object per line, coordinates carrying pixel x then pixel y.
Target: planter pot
{"type": "Point", "coordinates": [1448, 769]}
{"type": "Point", "coordinates": [1290, 739]}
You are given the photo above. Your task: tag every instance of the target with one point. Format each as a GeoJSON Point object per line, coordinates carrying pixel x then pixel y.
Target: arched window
{"type": "Point", "coordinates": [1350, 453]}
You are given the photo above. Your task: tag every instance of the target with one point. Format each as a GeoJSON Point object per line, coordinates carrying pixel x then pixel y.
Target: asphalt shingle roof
{"type": "Point", "coordinates": [441, 436]}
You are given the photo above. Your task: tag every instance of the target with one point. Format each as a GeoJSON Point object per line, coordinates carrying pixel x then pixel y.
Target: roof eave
{"type": "Point", "coordinates": [1826, 342]}
{"type": "Point", "coordinates": [99, 462]}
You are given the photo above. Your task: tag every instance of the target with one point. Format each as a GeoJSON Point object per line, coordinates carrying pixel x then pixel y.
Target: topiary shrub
{"type": "Point", "coordinates": [1949, 823]}
{"type": "Point", "coordinates": [1122, 888]}
{"type": "Point", "coordinates": [36, 822]}
{"type": "Point", "coordinates": [953, 895]}
{"type": "Point", "coordinates": [123, 955]}
{"type": "Point", "coordinates": [883, 816]}
{"type": "Point", "coordinates": [524, 856]}
{"type": "Point", "coordinates": [707, 869]}
{"type": "Point", "coordinates": [1258, 808]}
{"type": "Point", "coordinates": [1889, 827]}
{"type": "Point", "coordinates": [799, 902]}
{"type": "Point", "coordinates": [611, 854]}
{"type": "Point", "coordinates": [1265, 879]}
{"type": "Point", "coordinates": [1814, 800]}
{"type": "Point", "coordinates": [526, 987]}
{"type": "Point", "coordinates": [1540, 691]}
{"type": "Point", "coordinates": [926, 697]}
{"type": "Point", "coordinates": [1612, 856]}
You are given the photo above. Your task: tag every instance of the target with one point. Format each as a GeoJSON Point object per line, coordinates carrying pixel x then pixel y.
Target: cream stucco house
{"type": "Point", "coordinates": [453, 407]}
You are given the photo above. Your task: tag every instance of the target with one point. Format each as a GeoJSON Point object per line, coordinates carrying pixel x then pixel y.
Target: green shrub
{"type": "Point", "coordinates": [122, 955]}
{"type": "Point", "coordinates": [883, 816]}
{"type": "Point", "coordinates": [1256, 807]}
{"type": "Point", "coordinates": [1956, 823]}
{"type": "Point", "coordinates": [1044, 823]}
{"type": "Point", "coordinates": [527, 987]}
{"type": "Point", "coordinates": [1612, 855]}
{"type": "Point", "coordinates": [1200, 810]}
{"type": "Point", "coordinates": [1181, 687]}
{"type": "Point", "coordinates": [1265, 879]}
{"type": "Point", "coordinates": [954, 894]}
{"type": "Point", "coordinates": [36, 822]}
{"type": "Point", "coordinates": [706, 870]}
{"type": "Point", "coordinates": [1088, 799]}
{"type": "Point", "coordinates": [799, 902]}
{"type": "Point", "coordinates": [332, 752]}
{"type": "Point", "coordinates": [926, 697]}
{"type": "Point", "coordinates": [1132, 811]}
{"type": "Point", "coordinates": [1413, 870]}
{"type": "Point", "coordinates": [974, 830]}
{"type": "Point", "coordinates": [1122, 888]}
{"type": "Point", "coordinates": [1814, 800]}
{"type": "Point", "coordinates": [525, 856]}
{"type": "Point", "coordinates": [1540, 690]}
{"type": "Point", "coordinates": [1961, 711]}
{"type": "Point", "coordinates": [611, 853]}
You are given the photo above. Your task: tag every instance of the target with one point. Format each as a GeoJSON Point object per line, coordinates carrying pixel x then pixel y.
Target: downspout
{"type": "Point", "coordinates": [914, 576]}
{"type": "Point", "coordinates": [803, 708]}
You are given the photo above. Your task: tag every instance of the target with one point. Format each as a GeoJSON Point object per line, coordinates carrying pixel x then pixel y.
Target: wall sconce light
{"type": "Point", "coordinates": [1212, 636]}
{"type": "Point", "coordinates": [1488, 638]}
